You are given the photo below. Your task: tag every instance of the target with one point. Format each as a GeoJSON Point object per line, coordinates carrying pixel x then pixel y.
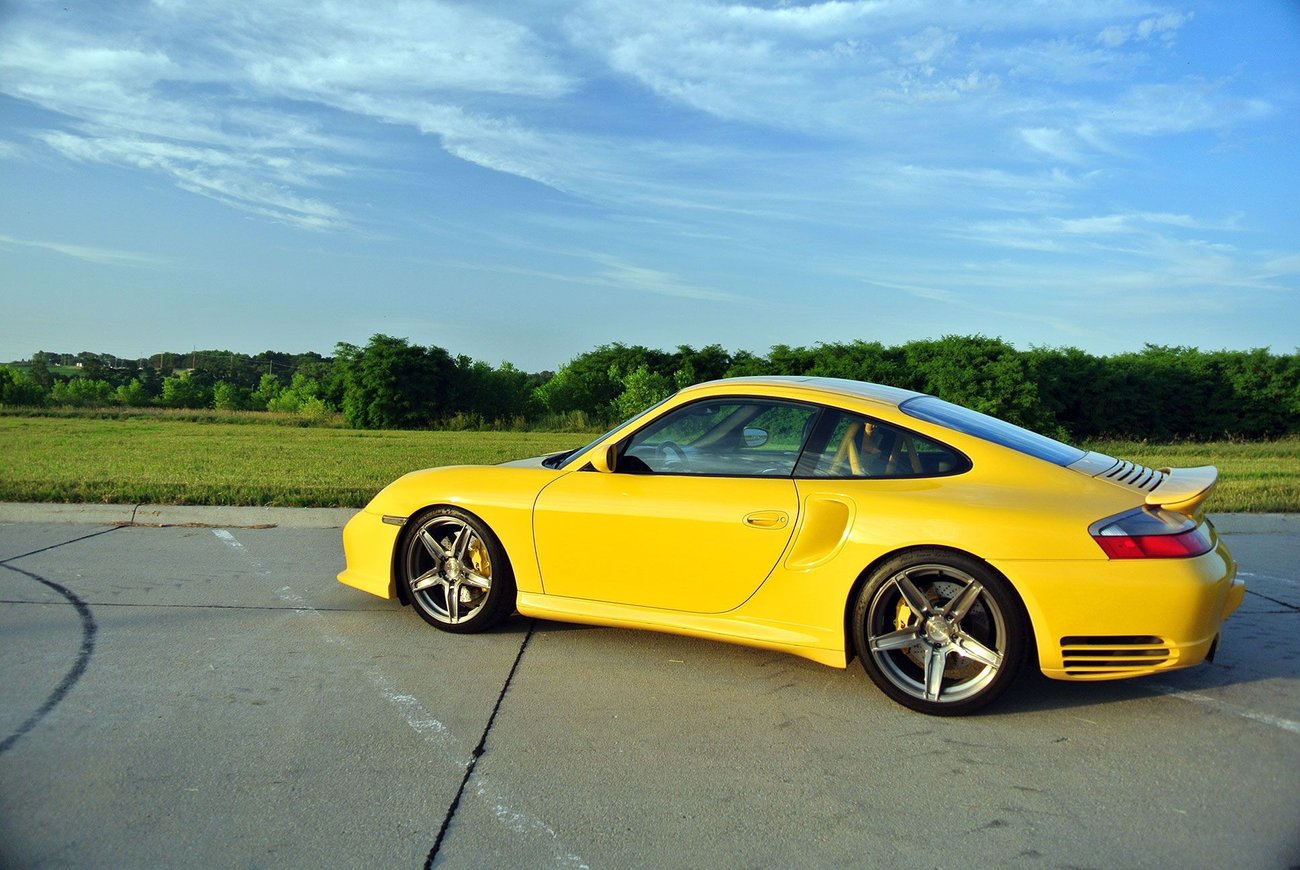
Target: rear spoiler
{"type": "Point", "coordinates": [1184, 489]}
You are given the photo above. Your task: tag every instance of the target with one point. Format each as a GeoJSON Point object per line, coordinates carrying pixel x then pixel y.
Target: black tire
{"type": "Point", "coordinates": [940, 632]}
{"type": "Point", "coordinates": [455, 571]}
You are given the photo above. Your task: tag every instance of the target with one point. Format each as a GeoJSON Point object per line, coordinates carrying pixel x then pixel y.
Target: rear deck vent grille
{"type": "Point", "coordinates": [1112, 654]}
{"type": "Point", "coordinates": [1134, 475]}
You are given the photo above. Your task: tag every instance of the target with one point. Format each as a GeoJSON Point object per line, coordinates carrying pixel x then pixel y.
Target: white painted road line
{"type": "Point", "coordinates": [228, 539]}
{"type": "Point", "coordinates": [1253, 715]}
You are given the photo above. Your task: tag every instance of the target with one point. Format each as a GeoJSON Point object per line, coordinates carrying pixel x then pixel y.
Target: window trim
{"type": "Point", "coordinates": [804, 467]}
{"type": "Point", "coordinates": [818, 409]}
{"type": "Point", "coordinates": [991, 430]}
{"type": "Point", "coordinates": [824, 415]}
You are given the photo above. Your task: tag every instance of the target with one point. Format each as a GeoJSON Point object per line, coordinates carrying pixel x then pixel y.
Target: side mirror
{"type": "Point", "coordinates": [754, 436]}
{"type": "Point", "coordinates": [605, 460]}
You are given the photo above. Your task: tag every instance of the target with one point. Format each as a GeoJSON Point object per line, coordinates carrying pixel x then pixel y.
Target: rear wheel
{"type": "Point", "coordinates": [456, 572]}
{"type": "Point", "coordinates": [939, 632]}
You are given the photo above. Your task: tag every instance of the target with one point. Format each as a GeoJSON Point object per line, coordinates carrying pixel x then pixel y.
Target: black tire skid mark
{"type": "Point", "coordinates": [88, 631]}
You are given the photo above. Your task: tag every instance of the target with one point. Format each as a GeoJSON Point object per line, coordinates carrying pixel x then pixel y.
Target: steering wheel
{"type": "Point", "coordinates": [670, 454]}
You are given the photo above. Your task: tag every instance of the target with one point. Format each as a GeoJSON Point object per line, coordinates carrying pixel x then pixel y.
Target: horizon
{"type": "Point", "coordinates": [526, 182]}
{"type": "Point", "coordinates": [330, 356]}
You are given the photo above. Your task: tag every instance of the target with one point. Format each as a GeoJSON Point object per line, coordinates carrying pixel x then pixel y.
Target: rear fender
{"type": "Point", "coordinates": [851, 653]}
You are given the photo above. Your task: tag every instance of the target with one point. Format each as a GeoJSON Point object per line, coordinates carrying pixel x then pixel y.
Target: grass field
{"type": "Point", "coordinates": [169, 461]}
{"type": "Point", "coordinates": [1254, 476]}
{"type": "Point", "coordinates": [174, 462]}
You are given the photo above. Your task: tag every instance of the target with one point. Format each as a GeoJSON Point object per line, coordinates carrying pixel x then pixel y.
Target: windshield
{"type": "Point", "coordinates": [934, 410]}
{"type": "Point", "coordinates": [562, 460]}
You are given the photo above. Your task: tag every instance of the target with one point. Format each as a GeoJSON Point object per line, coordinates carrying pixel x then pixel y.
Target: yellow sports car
{"type": "Point", "coordinates": [829, 519]}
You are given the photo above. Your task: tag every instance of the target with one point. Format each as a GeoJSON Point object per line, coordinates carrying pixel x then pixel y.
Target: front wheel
{"type": "Point", "coordinates": [456, 572]}
{"type": "Point", "coordinates": [939, 632]}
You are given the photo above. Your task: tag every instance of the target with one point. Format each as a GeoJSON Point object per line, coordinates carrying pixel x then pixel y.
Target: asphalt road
{"type": "Point", "coordinates": [184, 696]}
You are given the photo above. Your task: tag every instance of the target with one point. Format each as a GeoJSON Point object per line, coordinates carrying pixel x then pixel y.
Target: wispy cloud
{"type": "Point", "coordinates": [88, 253]}
{"type": "Point", "coordinates": [1162, 27]}
{"type": "Point", "coordinates": [984, 158]}
{"type": "Point", "coordinates": [621, 275]}
{"type": "Point", "coordinates": [219, 97]}
{"type": "Point", "coordinates": [606, 272]}
{"type": "Point", "coordinates": [232, 100]}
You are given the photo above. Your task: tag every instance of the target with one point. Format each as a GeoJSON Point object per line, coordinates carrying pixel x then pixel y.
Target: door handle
{"type": "Point", "coordinates": [767, 519]}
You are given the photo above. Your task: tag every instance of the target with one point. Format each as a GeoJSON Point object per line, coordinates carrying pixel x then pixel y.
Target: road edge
{"type": "Point", "coordinates": [224, 516]}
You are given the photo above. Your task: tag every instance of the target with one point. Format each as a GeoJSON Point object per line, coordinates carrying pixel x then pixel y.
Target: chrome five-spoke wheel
{"type": "Point", "coordinates": [939, 632]}
{"type": "Point", "coordinates": [455, 572]}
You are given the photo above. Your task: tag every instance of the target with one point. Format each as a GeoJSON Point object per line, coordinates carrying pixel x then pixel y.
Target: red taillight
{"type": "Point", "coordinates": [1151, 534]}
{"type": "Point", "coordinates": [1192, 543]}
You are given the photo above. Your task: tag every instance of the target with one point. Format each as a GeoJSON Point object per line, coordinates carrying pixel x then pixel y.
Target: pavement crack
{"type": "Point", "coordinates": [478, 750]}
{"type": "Point", "coordinates": [6, 562]}
{"type": "Point", "coordinates": [1286, 604]}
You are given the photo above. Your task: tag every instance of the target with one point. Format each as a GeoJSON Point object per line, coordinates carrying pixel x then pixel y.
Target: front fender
{"type": "Point", "coordinates": [501, 496]}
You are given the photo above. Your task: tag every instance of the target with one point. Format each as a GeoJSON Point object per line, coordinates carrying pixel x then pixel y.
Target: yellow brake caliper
{"type": "Point", "coordinates": [478, 557]}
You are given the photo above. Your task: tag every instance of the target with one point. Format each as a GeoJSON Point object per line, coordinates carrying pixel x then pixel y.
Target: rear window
{"type": "Point", "coordinates": [1001, 432]}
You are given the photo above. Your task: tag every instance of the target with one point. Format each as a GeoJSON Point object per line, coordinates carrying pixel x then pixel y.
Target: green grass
{"type": "Point", "coordinates": [165, 460]}
{"type": "Point", "coordinates": [1254, 476]}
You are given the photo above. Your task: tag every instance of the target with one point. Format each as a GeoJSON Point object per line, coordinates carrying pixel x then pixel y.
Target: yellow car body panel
{"type": "Point", "coordinates": [1177, 609]}
{"type": "Point", "coordinates": [695, 544]}
{"type": "Point", "coordinates": [735, 627]}
{"type": "Point", "coordinates": [777, 562]}
{"type": "Point", "coordinates": [501, 496]}
{"type": "Point", "coordinates": [368, 542]}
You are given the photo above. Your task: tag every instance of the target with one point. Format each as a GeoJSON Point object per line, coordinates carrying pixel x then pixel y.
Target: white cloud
{"type": "Point", "coordinates": [1052, 232]}
{"type": "Point", "coordinates": [1177, 107]}
{"type": "Point", "coordinates": [264, 104]}
{"type": "Point", "coordinates": [89, 253]}
{"type": "Point", "coordinates": [198, 91]}
{"type": "Point", "coordinates": [932, 45]}
{"type": "Point", "coordinates": [327, 49]}
{"type": "Point", "coordinates": [1163, 27]}
{"type": "Point", "coordinates": [1055, 143]}
{"type": "Point", "coordinates": [1287, 264]}
{"type": "Point", "coordinates": [1123, 258]}
{"type": "Point", "coordinates": [249, 181]}
{"type": "Point", "coordinates": [616, 273]}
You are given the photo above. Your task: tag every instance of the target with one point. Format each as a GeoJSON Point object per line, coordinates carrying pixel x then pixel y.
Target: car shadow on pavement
{"type": "Point", "coordinates": [1031, 692]}
{"type": "Point", "coordinates": [518, 624]}
{"type": "Point", "coordinates": [1034, 692]}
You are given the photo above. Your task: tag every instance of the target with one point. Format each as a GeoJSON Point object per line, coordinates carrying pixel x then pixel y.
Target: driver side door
{"type": "Point", "coordinates": [699, 508]}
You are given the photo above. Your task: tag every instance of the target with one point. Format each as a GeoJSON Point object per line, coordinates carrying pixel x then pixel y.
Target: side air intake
{"type": "Point", "coordinates": [1098, 655]}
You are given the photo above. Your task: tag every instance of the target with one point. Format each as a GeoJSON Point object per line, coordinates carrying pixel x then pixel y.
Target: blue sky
{"type": "Point", "coordinates": [523, 181]}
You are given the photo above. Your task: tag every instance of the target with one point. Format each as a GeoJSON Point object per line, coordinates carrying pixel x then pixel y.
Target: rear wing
{"type": "Point", "coordinates": [1184, 489]}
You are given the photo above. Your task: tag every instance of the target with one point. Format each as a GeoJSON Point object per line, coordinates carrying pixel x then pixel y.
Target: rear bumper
{"type": "Point", "coordinates": [368, 544]}
{"type": "Point", "coordinates": [1109, 619]}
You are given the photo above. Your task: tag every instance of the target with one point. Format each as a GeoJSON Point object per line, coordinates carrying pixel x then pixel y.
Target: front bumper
{"type": "Point", "coordinates": [368, 547]}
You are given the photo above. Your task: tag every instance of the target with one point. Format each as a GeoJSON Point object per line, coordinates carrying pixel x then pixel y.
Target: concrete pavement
{"type": "Point", "coordinates": [197, 689]}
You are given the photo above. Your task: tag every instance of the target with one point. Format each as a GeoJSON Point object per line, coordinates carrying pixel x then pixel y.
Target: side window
{"type": "Point", "coordinates": [856, 446]}
{"type": "Point", "coordinates": [731, 437]}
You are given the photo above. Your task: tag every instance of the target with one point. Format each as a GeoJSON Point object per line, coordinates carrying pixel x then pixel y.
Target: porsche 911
{"type": "Point", "coordinates": [944, 549]}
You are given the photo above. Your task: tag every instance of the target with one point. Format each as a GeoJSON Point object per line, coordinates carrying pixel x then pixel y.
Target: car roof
{"type": "Point", "coordinates": [835, 387]}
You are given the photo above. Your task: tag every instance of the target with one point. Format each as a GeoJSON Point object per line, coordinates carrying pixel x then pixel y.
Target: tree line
{"type": "Point", "coordinates": [1158, 393]}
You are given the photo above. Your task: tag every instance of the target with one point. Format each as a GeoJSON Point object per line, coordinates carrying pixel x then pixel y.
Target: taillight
{"type": "Point", "coordinates": [1151, 533]}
